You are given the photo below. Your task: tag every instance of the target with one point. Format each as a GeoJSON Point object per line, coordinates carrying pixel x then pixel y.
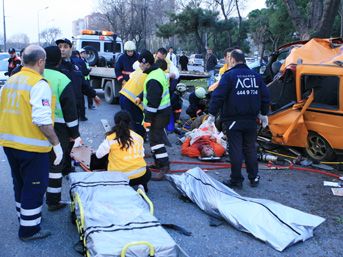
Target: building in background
{"type": "Point", "coordinates": [94, 21]}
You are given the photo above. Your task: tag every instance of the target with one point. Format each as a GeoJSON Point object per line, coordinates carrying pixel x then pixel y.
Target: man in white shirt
{"type": "Point", "coordinates": [171, 56]}
{"type": "Point", "coordinates": [27, 133]}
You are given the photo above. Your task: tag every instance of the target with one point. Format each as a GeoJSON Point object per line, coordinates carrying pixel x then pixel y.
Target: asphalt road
{"type": "Point", "coordinates": [301, 190]}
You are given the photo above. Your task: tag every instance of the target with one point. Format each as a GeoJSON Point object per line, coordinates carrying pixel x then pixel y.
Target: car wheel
{"type": "Point", "coordinates": [318, 148]}
{"type": "Point", "coordinates": [108, 92]}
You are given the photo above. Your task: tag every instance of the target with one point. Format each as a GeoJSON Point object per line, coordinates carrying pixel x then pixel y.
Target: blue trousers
{"type": "Point", "coordinates": [211, 79]}
{"type": "Point", "coordinates": [136, 114]}
{"type": "Point", "coordinates": [30, 173]}
{"type": "Point", "coordinates": [242, 145]}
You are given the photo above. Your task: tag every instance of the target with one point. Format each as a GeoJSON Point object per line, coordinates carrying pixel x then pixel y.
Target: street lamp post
{"type": "Point", "coordinates": [38, 22]}
{"type": "Point", "coordinates": [4, 23]}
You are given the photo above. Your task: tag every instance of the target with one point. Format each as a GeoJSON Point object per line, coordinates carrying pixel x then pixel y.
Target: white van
{"type": "Point", "coordinates": [103, 47]}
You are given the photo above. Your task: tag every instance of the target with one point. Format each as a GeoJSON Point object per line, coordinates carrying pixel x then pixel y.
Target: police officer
{"type": "Point", "coordinates": [124, 65]}
{"type": "Point", "coordinates": [13, 61]}
{"type": "Point", "coordinates": [26, 133]}
{"type": "Point", "coordinates": [80, 88]}
{"type": "Point", "coordinates": [73, 72]}
{"type": "Point", "coordinates": [85, 71]}
{"type": "Point", "coordinates": [157, 110]}
{"type": "Point", "coordinates": [66, 122]}
{"type": "Point", "coordinates": [241, 96]}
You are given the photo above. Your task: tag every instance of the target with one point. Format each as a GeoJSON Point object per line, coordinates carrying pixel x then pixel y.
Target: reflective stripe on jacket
{"type": "Point", "coordinates": [134, 87]}
{"type": "Point", "coordinates": [159, 76]}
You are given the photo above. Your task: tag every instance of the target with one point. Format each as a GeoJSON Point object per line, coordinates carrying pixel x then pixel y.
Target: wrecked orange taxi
{"type": "Point", "coordinates": [307, 99]}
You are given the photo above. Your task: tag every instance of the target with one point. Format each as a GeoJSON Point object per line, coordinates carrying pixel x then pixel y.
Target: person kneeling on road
{"type": "Point", "coordinates": [198, 101]}
{"type": "Point", "coordinates": [241, 95]}
{"type": "Point", "coordinates": [123, 151]}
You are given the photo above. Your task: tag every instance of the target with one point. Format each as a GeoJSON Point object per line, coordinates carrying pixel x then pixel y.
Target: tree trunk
{"type": "Point", "coordinates": [330, 10]}
{"type": "Point", "coordinates": [239, 22]}
{"type": "Point", "coordinates": [319, 21]}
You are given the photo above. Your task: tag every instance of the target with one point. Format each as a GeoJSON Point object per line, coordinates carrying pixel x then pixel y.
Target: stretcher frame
{"type": "Point", "coordinates": [80, 224]}
{"type": "Point", "coordinates": [81, 228]}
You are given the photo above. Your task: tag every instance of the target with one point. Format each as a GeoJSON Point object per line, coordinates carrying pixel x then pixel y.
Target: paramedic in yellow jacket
{"type": "Point", "coordinates": [132, 88]}
{"type": "Point", "coordinates": [27, 135]}
{"type": "Point", "coordinates": [125, 151]}
{"type": "Point", "coordinates": [223, 69]}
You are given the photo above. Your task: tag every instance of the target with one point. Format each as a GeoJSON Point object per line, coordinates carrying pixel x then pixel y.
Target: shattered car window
{"type": "Point", "coordinates": [325, 90]}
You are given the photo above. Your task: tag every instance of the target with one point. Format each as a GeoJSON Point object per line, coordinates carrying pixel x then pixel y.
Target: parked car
{"type": "Point", "coordinates": [196, 59]}
{"type": "Point", "coordinates": [3, 69]}
{"type": "Point", "coordinates": [307, 99]}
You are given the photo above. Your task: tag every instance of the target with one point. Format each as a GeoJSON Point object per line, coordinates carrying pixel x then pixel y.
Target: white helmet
{"type": "Point", "coordinates": [181, 87]}
{"type": "Point", "coordinates": [130, 46]}
{"type": "Point", "coordinates": [200, 92]}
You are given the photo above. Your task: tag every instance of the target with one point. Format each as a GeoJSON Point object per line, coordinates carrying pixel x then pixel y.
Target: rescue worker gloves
{"type": "Point", "coordinates": [264, 120]}
{"type": "Point", "coordinates": [77, 142]}
{"type": "Point", "coordinates": [59, 153]}
{"type": "Point", "coordinates": [211, 118]}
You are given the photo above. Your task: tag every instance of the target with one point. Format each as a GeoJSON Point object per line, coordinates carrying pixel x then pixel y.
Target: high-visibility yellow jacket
{"type": "Point", "coordinates": [130, 161]}
{"type": "Point", "coordinates": [134, 86]}
{"type": "Point", "coordinates": [16, 128]}
{"type": "Point", "coordinates": [221, 72]}
{"type": "Point", "coordinates": [223, 69]}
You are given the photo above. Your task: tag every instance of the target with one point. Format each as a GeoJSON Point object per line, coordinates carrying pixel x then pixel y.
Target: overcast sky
{"type": "Point", "coordinates": [22, 15]}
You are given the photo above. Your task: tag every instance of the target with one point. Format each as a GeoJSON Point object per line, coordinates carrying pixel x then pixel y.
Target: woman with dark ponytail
{"type": "Point", "coordinates": [125, 151]}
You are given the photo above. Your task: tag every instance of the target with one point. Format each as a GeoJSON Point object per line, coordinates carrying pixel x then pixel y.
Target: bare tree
{"type": "Point", "coordinates": [18, 41]}
{"type": "Point", "coordinates": [320, 18]}
{"type": "Point", "coordinates": [136, 19]}
{"type": "Point", "coordinates": [226, 7]}
{"type": "Point", "coordinates": [194, 3]}
{"type": "Point", "coordinates": [50, 35]}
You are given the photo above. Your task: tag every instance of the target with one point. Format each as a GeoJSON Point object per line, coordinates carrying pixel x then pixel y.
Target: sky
{"type": "Point", "coordinates": [22, 15]}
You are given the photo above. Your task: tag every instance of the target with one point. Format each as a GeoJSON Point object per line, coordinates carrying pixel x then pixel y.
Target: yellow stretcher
{"type": "Point", "coordinates": [113, 219]}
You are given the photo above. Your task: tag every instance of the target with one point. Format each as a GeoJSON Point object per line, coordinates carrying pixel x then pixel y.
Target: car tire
{"type": "Point", "coordinates": [93, 56]}
{"type": "Point", "coordinates": [108, 93]}
{"type": "Point", "coordinates": [318, 148]}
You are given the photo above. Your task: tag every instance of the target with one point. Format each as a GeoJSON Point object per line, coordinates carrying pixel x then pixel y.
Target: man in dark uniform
{"type": "Point", "coordinates": [241, 96]}
{"type": "Point", "coordinates": [123, 67]}
{"type": "Point", "coordinates": [80, 88]}
{"type": "Point", "coordinates": [211, 62]}
{"type": "Point", "coordinates": [13, 61]}
{"type": "Point", "coordinates": [183, 62]}
{"type": "Point", "coordinates": [66, 123]}
{"type": "Point", "coordinates": [73, 72]}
